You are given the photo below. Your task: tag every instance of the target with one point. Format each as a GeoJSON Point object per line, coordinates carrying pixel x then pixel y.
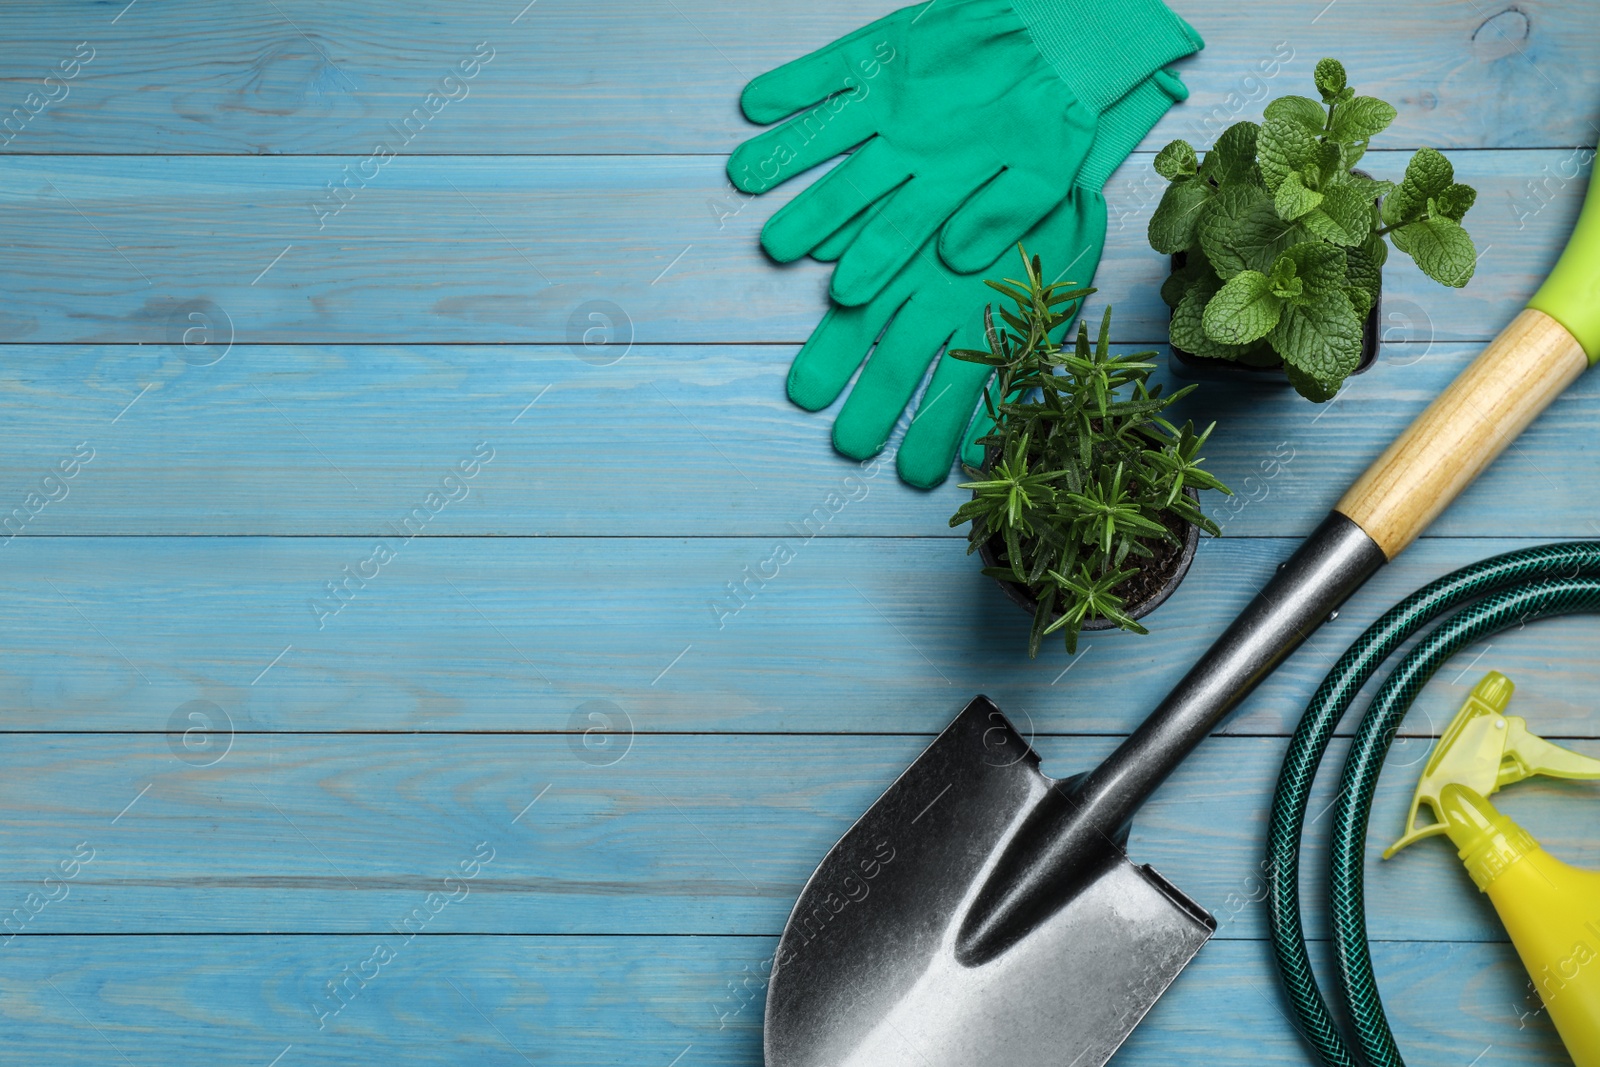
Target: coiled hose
{"type": "Point", "coordinates": [1502, 592]}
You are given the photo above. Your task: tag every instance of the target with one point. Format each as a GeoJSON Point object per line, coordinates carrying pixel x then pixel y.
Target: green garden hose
{"type": "Point", "coordinates": [1502, 592]}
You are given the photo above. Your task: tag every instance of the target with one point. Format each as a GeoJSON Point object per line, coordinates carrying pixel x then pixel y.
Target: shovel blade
{"type": "Point", "coordinates": [866, 973]}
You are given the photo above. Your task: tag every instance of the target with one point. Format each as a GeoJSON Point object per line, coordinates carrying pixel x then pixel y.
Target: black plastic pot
{"type": "Point", "coordinates": [1018, 594]}
{"type": "Point", "coordinates": [1206, 368]}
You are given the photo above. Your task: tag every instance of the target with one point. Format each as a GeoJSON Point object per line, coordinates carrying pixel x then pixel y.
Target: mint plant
{"type": "Point", "coordinates": [1087, 485]}
{"type": "Point", "coordinates": [1283, 242]}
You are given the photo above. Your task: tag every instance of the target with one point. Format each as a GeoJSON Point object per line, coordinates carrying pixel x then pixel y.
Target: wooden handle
{"type": "Point", "coordinates": [1463, 430]}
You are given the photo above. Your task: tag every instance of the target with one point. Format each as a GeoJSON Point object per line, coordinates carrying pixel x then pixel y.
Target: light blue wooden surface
{"type": "Point", "coordinates": [495, 249]}
{"type": "Point", "coordinates": [640, 873]}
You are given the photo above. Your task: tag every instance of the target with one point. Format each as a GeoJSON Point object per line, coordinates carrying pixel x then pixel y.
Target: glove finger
{"type": "Point", "coordinates": [823, 366]}
{"type": "Point", "coordinates": [896, 234]}
{"type": "Point", "coordinates": [982, 426]}
{"type": "Point", "coordinates": [994, 218]}
{"type": "Point", "coordinates": [836, 197]}
{"type": "Point", "coordinates": [929, 447]}
{"type": "Point", "coordinates": [776, 155]}
{"type": "Point", "coordinates": [839, 241]}
{"type": "Point", "coordinates": [833, 68]}
{"type": "Point", "coordinates": [891, 375]}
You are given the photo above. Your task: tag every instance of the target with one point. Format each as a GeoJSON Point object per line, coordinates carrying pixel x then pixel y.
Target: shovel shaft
{"type": "Point", "coordinates": [1070, 836]}
{"type": "Point", "coordinates": [1459, 434]}
{"type": "Point", "coordinates": [1438, 456]}
{"type": "Point", "coordinates": [1443, 450]}
{"type": "Point", "coordinates": [1330, 565]}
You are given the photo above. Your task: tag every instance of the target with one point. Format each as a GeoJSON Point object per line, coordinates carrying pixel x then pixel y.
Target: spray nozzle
{"type": "Point", "coordinates": [1483, 749]}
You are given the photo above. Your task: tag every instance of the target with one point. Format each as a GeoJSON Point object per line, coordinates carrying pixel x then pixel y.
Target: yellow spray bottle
{"type": "Point", "coordinates": [1550, 909]}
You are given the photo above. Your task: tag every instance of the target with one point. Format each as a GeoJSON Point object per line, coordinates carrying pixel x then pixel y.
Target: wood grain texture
{"type": "Point", "coordinates": [1460, 433]}
{"type": "Point", "coordinates": [854, 635]}
{"type": "Point", "coordinates": [343, 440]}
{"type": "Point", "coordinates": [168, 208]}
{"type": "Point", "coordinates": [596, 1002]}
{"type": "Point", "coordinates": [626, 76]}
{"type": "Point", "coordinates": [485, 249]}
{"type": "Point", "coordinates": [652, 834]}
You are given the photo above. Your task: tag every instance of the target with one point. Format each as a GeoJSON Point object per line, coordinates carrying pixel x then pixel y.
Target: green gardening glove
{"type": "Point", "coordinates": [979, 112]}
{"type": "Point", "coordinates": [930, 305]}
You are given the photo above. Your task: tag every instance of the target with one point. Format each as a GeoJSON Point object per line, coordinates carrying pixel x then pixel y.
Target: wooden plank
{"type": "Point", "coordinates": [653, 834]}
{"type": "Point", "coordinates": [670, 441]}
{"type": "Point", "coordinates": [628, 77]}
{"type": "Point", "coordinates": [629, 1001]}
{"type": "Point", "coordinates": [494, 250]}
{"type": "Point", "coordinates": [853, 635]}
{"type": "Point", "coordinates": [576, 584]}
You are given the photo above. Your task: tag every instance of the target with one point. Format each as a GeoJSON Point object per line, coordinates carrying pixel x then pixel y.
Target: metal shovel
{"type": "Point", "coordinates": [981, 913]}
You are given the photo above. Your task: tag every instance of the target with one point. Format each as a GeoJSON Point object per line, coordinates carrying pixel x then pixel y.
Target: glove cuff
{"type": "Point", "coordinates": [1123, 125]}
{"type": "Point", "coordinates": [1103, 49]}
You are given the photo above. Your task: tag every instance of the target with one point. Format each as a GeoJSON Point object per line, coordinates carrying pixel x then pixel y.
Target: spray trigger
{"type": "Point", "coordinates": [1484, 749]}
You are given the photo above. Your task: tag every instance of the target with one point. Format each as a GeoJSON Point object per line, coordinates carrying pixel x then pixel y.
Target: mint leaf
{"type": "Point", "coordinates": [1369, 189]}
{"type": "Point", "coordinates": [1195, 269]}
{"type": "Point", "coordinates": [1320, 266]}
{"type": "Point", "coordinates": [1240, 230]}
{"type": "Point", "coordinates": [1221, 222]}
{"type": "Point", "coordinates": [1283, 281]}
{"type": "Point", "coordinates": [1360, 299]}
{"type": "Point", "coordinates": [1405, 202]}
{"type": "Point", "coordinates": [1244, 310]}
{"type": "Point", "coordinates": [1293, 199]}
{"type": "Point", "coordinates": [1456, 200]}
{"type": "Point", "coordinates": [1172, 227]}
{"type": "Point", "coordinates": [1330, 164]}
{"type": "Point", "coordinates": [1175, 286]}
{"type": "Point", "coordinates": [1308, 386]}
{"type": "Point", "coordinates": [1234, 156]}
{"type": "Point", "coordinates": [1361, 119]}
{"type": "Point", "coordinates": [1429, 173]}
{"type": "Point", "coordinates": [1345, 218]}
{"type": "Point", "coordinates": [1298, 110]}
{"type": "Point", "coordinates": [1398, 236]}
{"type": "Point", "coordinates": [1177, 160]}
{"type": "Point", "coordinates": [1363, 274]}
{"type": "Point", "coordinates": [1284, 146]}
{"type": "Point", "coordinates": [1441, 248]}
{"type": "Point", "coordinates": [1322, 341]}
{"type": "Point", "coordinates": [1330, 78]}
{"type": "Point", "coordinates": [1188, 325]}
{"type": "Point", "coordinates": [1375, 249]}
{"type": "Point", "coordinates": [1326, 227]}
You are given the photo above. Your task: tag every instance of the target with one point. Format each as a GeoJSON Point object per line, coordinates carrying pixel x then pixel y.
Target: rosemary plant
{"type": "Point", "coordinates": [1085, 481]}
